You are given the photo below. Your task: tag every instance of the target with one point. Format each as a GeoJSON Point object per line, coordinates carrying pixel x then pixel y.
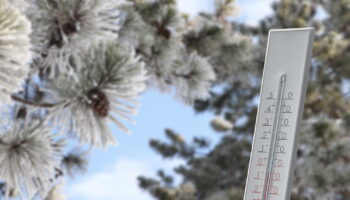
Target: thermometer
{"type": "Point", "coordinates": [280, 111]}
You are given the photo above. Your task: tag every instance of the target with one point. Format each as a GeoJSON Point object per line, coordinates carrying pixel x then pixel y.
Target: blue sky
{"type": "Point", "coordinates": [112, 172]}
{"type": "Point", "coordinates": [251, 11]}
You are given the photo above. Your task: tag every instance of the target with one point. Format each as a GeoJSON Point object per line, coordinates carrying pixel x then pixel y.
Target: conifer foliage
{"type": "Point", "coordinates": [70, 67]}
{"type": "Point", "coordinates": [14, 49]}
{"type": "Point", "coordinates": [322, 168]}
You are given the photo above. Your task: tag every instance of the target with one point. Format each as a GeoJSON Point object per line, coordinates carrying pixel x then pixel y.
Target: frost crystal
{"type": "Point", "coordinates": [14, 49]}
{"type": "Point", "coordinates": [153, 30]}
{"type": "Point", "coordinates": [63, 28]}
{"type": "Point", "coordinates": [21, 5]}
{"type": "Point", "coordinates": [193, 78]}
{"type": "Point", "coordinates": [27, 157]}
{"type": "Point", "coordinates": [103, 91]}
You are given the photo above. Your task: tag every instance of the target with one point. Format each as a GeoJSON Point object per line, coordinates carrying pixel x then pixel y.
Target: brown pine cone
{"type": "Point", "coordinates": [99, 102]}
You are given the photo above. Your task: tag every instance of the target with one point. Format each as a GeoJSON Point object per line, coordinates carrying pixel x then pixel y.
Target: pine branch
{"type": "Point", "coordinates": [32, 103]}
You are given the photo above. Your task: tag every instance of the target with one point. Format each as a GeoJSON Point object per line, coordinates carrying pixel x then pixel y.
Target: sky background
{"type": "Point", "coordinates": [112, 173]}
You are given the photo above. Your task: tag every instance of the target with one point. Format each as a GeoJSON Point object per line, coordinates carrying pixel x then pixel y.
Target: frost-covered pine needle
{"type": "Point", "coordinates": [14, 49]}
{"type": "Point", "coordinates": [27, 158]}
{"type": "Point", "coordinates": [103, 91]}
{"type": "Point", "coordinates": [153, 29]}
{"type": "Point", "coordinates": [75, 161]}
{"type": "Point", "coordinates": [221, 124]}
{"type": "Point", "coordinates": [193, 78]}
{"type": "Point", "coordinates": [64, 28]}
{"type": "Point", "coordinates": [21, 5]}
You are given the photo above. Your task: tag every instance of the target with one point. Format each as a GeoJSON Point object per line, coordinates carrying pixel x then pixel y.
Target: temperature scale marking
{"type": "Point", "coordinates": [276, 124]}
{"type": "Point", "coordinates": [282, 95]}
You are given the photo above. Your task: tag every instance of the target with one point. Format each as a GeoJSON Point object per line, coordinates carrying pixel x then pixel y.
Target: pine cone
{"type": "Point", "coordinates": [69, 28]}
{"type": "Point", "coordinates": [99, 102]}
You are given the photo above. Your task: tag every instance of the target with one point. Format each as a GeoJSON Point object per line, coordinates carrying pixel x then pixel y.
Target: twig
{"type": "Point", "coordinates": [185, 76]}
{"type": "Point", "coordinates": [37, 104]}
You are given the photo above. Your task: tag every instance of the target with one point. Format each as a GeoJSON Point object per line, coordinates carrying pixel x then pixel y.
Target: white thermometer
{"type": "Point", "coordinates": [280, 111]}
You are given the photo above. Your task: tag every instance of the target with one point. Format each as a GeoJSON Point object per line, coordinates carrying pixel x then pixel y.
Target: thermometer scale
{"type": "Point", "coordinates": [282, 95]}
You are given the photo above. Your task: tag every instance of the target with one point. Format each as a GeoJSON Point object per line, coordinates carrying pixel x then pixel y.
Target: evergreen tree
{"type": "Point", "coordinates": [323, 153]}
{"type": "Point", "coordinates": [69, 67]}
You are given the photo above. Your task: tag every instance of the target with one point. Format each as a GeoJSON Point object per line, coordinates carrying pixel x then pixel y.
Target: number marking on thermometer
{"type": "Point", "coordinates": [274, 139]}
